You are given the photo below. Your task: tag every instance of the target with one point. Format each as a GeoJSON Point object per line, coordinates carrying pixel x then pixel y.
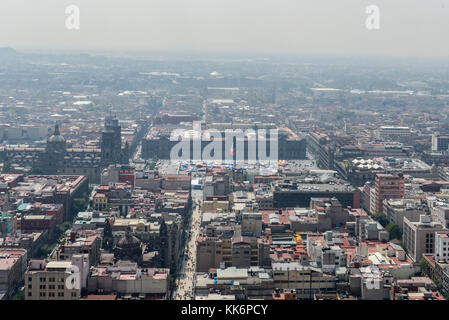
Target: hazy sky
{"type": "Point", "coordinates": [407, 27]}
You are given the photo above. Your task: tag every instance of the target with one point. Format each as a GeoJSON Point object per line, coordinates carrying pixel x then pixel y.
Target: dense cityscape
{"type": "Point", "coordinates": [93, 206]}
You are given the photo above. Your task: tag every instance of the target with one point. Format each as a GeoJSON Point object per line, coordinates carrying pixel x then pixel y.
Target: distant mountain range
{"type": "Point", "coordinates": [7, 51]}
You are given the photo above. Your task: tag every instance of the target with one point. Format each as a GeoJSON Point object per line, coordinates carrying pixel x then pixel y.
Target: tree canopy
{"type": "Point", "coordinates": [394, 230]}
{"type": "Point", "coordinates": [381, 218]}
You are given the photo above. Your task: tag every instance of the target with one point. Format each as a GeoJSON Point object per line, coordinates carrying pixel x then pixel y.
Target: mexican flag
{"type": "Point", "coordinates": [232, 150]}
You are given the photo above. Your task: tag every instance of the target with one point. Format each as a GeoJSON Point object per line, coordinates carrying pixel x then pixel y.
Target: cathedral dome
{"type": "Point", "coordinates": [128, 242]}
{"type": "Point", "coordinates": [128, 248]}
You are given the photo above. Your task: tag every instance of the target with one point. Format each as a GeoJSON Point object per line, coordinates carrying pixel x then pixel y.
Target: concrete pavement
{"type": "Point", "coordinates": [185, 283]}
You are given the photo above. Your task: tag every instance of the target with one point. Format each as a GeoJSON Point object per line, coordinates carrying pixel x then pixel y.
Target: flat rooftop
{"type": "Point", "coordinates": [312, 188]}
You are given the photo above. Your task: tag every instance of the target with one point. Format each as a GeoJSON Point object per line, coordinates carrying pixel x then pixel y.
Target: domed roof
{"type": "Point", "coordinates": [56, 137]}
{"type": "Point", "coordinates": [128, 241]}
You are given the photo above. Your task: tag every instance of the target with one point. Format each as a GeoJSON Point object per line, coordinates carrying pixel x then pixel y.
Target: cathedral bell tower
{"type": "Point", "coordinates": [111, 142]}
{"type": "Point", "coordinates": [55, 152]}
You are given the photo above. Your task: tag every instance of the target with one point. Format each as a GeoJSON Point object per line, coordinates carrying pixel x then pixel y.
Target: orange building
{"type": "Point", "coordinates": [387, 186]}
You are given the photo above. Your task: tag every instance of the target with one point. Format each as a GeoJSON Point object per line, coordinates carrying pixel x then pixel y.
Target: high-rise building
{"type": "Point", "coordinates": [394, 131]}
{"type": "Point", "coordinates": [396, 210]}
{"type": "Point", "coordinates": [56, 280]}
{"type": "Point", "coordinates": [11, 270]}
{"type": "Point", "coordinates": [419, 236]}
{"type": "Point", "coordinates": [387, 186]}
{"type": "Point", "coordinates": [440, 142]}
{"type": "Point", "coordinates": [442, 245]}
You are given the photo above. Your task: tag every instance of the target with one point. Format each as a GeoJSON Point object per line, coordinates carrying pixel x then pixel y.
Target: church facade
{"type": "Point", "coordinates": [56, 158]}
